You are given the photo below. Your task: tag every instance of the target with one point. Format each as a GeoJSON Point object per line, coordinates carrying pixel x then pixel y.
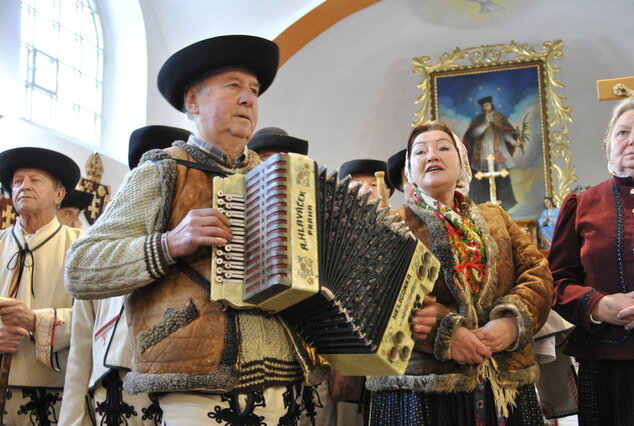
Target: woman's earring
{"type": "Point", "coordinates": [611, 168]}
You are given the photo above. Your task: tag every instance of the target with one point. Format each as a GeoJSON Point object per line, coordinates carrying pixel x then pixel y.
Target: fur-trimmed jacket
{"type": "Point", "coordinates": [518, 280]}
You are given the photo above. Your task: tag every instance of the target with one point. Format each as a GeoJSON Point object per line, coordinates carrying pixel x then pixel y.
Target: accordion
{"type": "Point", "coordinates": [337, 268]}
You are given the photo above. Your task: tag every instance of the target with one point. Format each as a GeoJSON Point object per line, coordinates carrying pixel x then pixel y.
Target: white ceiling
{"type": "Point", "coordinates": [185, 21]}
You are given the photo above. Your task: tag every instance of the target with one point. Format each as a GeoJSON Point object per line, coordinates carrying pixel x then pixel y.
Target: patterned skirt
{"type": "Point", "coordinates": [606, 392]}
{"type": "Point", "coordinates": [404, 408]}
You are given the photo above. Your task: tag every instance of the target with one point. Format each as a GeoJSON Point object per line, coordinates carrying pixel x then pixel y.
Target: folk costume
{"type": "Point", "coordinates": [247, 366]}
{"type": "Point", "coordinates": [32, 272]}
{"type": "Point", "coordinates": [489, 268]}
{"type": "Point", "coordinates": [591, 256]}
{"type": "Point", "coordinates": [36, 380]}
{"type": "Point", "coordinates": [500, 271]}
{"type": "Point", "coordinates": [169, 314]}
{"type": "Point", "coordinates": [99, 359]}
{"type": "Point", "coordinates": [100, 349]}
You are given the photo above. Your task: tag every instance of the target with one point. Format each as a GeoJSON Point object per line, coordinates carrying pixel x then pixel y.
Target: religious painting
{"type": "Point", "coordinates": [501, 101]}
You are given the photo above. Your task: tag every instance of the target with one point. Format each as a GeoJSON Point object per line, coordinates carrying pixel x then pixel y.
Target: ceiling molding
{"type": "Point", "coordinates": [315, 22]}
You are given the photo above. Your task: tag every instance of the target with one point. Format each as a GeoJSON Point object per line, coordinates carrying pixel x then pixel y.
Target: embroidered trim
{"type": "Point", "coordinates": [584, 303]}
{"type": "Point", "coordinates": [618, 241]}
{"type": "Point", "coordinates": [172, 321]}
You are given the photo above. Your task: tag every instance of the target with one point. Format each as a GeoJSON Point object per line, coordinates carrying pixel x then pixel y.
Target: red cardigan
{"type": "Point", "coordinates": [588, 260]}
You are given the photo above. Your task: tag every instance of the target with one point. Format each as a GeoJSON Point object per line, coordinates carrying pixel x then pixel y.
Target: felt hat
{"type": "Point", "coordinates": [364, 166]}
{"type": "Point", "coordinates": [486, 99]}
{"type": "Point", "coordinates": [276, 139]}
{"type": "Point", "coordinates": [58, 165]}
{"type": "Point", "coordinates": [395, 165]}
{"type": "Point", "coordinates": [152, 137]}
{"type": "Point", "coordinates": [256, 54]}
{"type": "Point", "coordinates": [78, 199]}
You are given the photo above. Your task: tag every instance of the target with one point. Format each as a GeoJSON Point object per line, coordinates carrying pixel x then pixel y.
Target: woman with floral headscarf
{"type": "Point", "coordinates": [593, 267]}
{"type": "Point", "coordinates": [476, 366]}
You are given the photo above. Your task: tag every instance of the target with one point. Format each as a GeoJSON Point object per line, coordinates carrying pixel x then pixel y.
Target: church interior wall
{"type": "Point", "coordinates": [351, 90]}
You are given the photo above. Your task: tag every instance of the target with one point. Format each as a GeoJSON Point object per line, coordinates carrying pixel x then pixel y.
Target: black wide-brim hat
{"type": "Point", "coordinates": [152, 137]}
{"type": "Point", "coordinates": [486, 99]}
{"type": "Point", "coordinates": [395, 166]}
{"type": "Point", "coordinates": [364, 167]}
{"type": "Point", "coordinates": [78, 199]}
{"type": "Point", "coordinates": [256, 54]}
{"type": "Point", "coordinates": [56, 164]}
{"type": "Point", "coordinates": [276, 139]}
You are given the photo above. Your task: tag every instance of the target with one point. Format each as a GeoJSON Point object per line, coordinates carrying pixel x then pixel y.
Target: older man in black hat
{"type": "Point", "coordinates": [203, 360]}
{"type": "Point", "coordinates": [35, 310]}
{"type": "Point", "coordinates": [273, 140]}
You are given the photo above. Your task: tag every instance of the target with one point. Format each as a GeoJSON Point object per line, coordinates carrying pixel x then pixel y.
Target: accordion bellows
{"type": "Point", "coordinates": [334, 265]}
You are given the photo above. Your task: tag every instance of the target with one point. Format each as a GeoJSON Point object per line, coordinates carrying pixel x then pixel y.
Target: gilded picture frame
{"type": "Point", "coordinates": [527, 118]}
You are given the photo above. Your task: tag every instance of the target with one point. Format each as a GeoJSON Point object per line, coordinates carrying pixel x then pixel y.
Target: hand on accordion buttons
{"type": "Point", "coordinates": [200, 227]}
{"type": "Point", "coordinates": [425, 319]}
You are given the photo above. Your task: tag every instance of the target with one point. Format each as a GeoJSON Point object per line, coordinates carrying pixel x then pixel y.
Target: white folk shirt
{"type": "Point", "coordinates": [41, 363]}
{"type": "Point", "coordinates": [99, 343]}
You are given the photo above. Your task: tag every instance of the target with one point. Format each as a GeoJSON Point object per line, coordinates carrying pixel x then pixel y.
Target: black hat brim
{"type": "Point", "coordinates": [56, 164]}
{"type": "Point", "coordinates": [395, 166]}
{"type": "Point", "coordinates": [279, 143]}
{"type": "Point", "coordinates": [152, 137]}
{"type": "Point", "coordinates": [256, 54]}
{"type": "Point", "coordinates": [77, 199]}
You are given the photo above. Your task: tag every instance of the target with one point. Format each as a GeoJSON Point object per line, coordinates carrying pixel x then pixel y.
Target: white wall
{"type": "Point", "coordinates": [351, 91]}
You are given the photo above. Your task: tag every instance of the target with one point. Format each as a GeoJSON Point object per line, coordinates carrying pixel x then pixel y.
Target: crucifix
{"type": "Point", "coordinates": [491, 175]}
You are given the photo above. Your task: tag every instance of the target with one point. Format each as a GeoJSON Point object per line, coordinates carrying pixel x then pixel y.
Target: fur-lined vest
{"type": "Point", "coordinates": [182, 341]}
{"type": "Point", "coordinates": [518, 280]}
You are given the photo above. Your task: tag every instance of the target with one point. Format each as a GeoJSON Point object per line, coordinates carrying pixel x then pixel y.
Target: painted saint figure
{"type": "Point", "coordinates": [490, 133]}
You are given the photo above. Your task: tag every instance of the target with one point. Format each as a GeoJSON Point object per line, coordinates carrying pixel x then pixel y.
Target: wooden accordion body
{"type": "Point", "coordinates": [332, 264]}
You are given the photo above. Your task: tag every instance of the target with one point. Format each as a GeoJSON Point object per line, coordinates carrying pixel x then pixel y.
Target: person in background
{"type": "Point", "coordinates": [349, 392]}
{"type": "Point", "coordinates": [266, 142]}
{"type": "Point", "coordinates": [592, 261]}
{"type": "Point", "coordinates": [72, 206]}
{"type": "Point", "coordinates": [35, 310]}
{"type": "Point", "coordinates": [100, 353]}
{"type": "Point", "coordinates": [473, 360]}
{"type": "Point", "coordinates": [273, 140]}
{"type": "Point", "coordinates": [396, 174]}
{"type": "Point", "coordinates": [362, 173]}
{"type": "Point", "coordinates": [546, 222]}
{"type": "Point", "coordinates": [154, 243]}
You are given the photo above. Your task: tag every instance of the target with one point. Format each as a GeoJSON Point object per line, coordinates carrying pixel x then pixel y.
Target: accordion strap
{"type": "Point", "coordinates": [215, 171]}
{"type": "Point", "coordinates": [193, 274]}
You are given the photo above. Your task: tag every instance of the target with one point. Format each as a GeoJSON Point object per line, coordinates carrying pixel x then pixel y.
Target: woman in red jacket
{"type": "Point", "coordinates": [592, 260]}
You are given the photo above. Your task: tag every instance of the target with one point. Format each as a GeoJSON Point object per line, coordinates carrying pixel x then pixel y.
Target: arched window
{"type": "Point", "coordinates": [61, 67]}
